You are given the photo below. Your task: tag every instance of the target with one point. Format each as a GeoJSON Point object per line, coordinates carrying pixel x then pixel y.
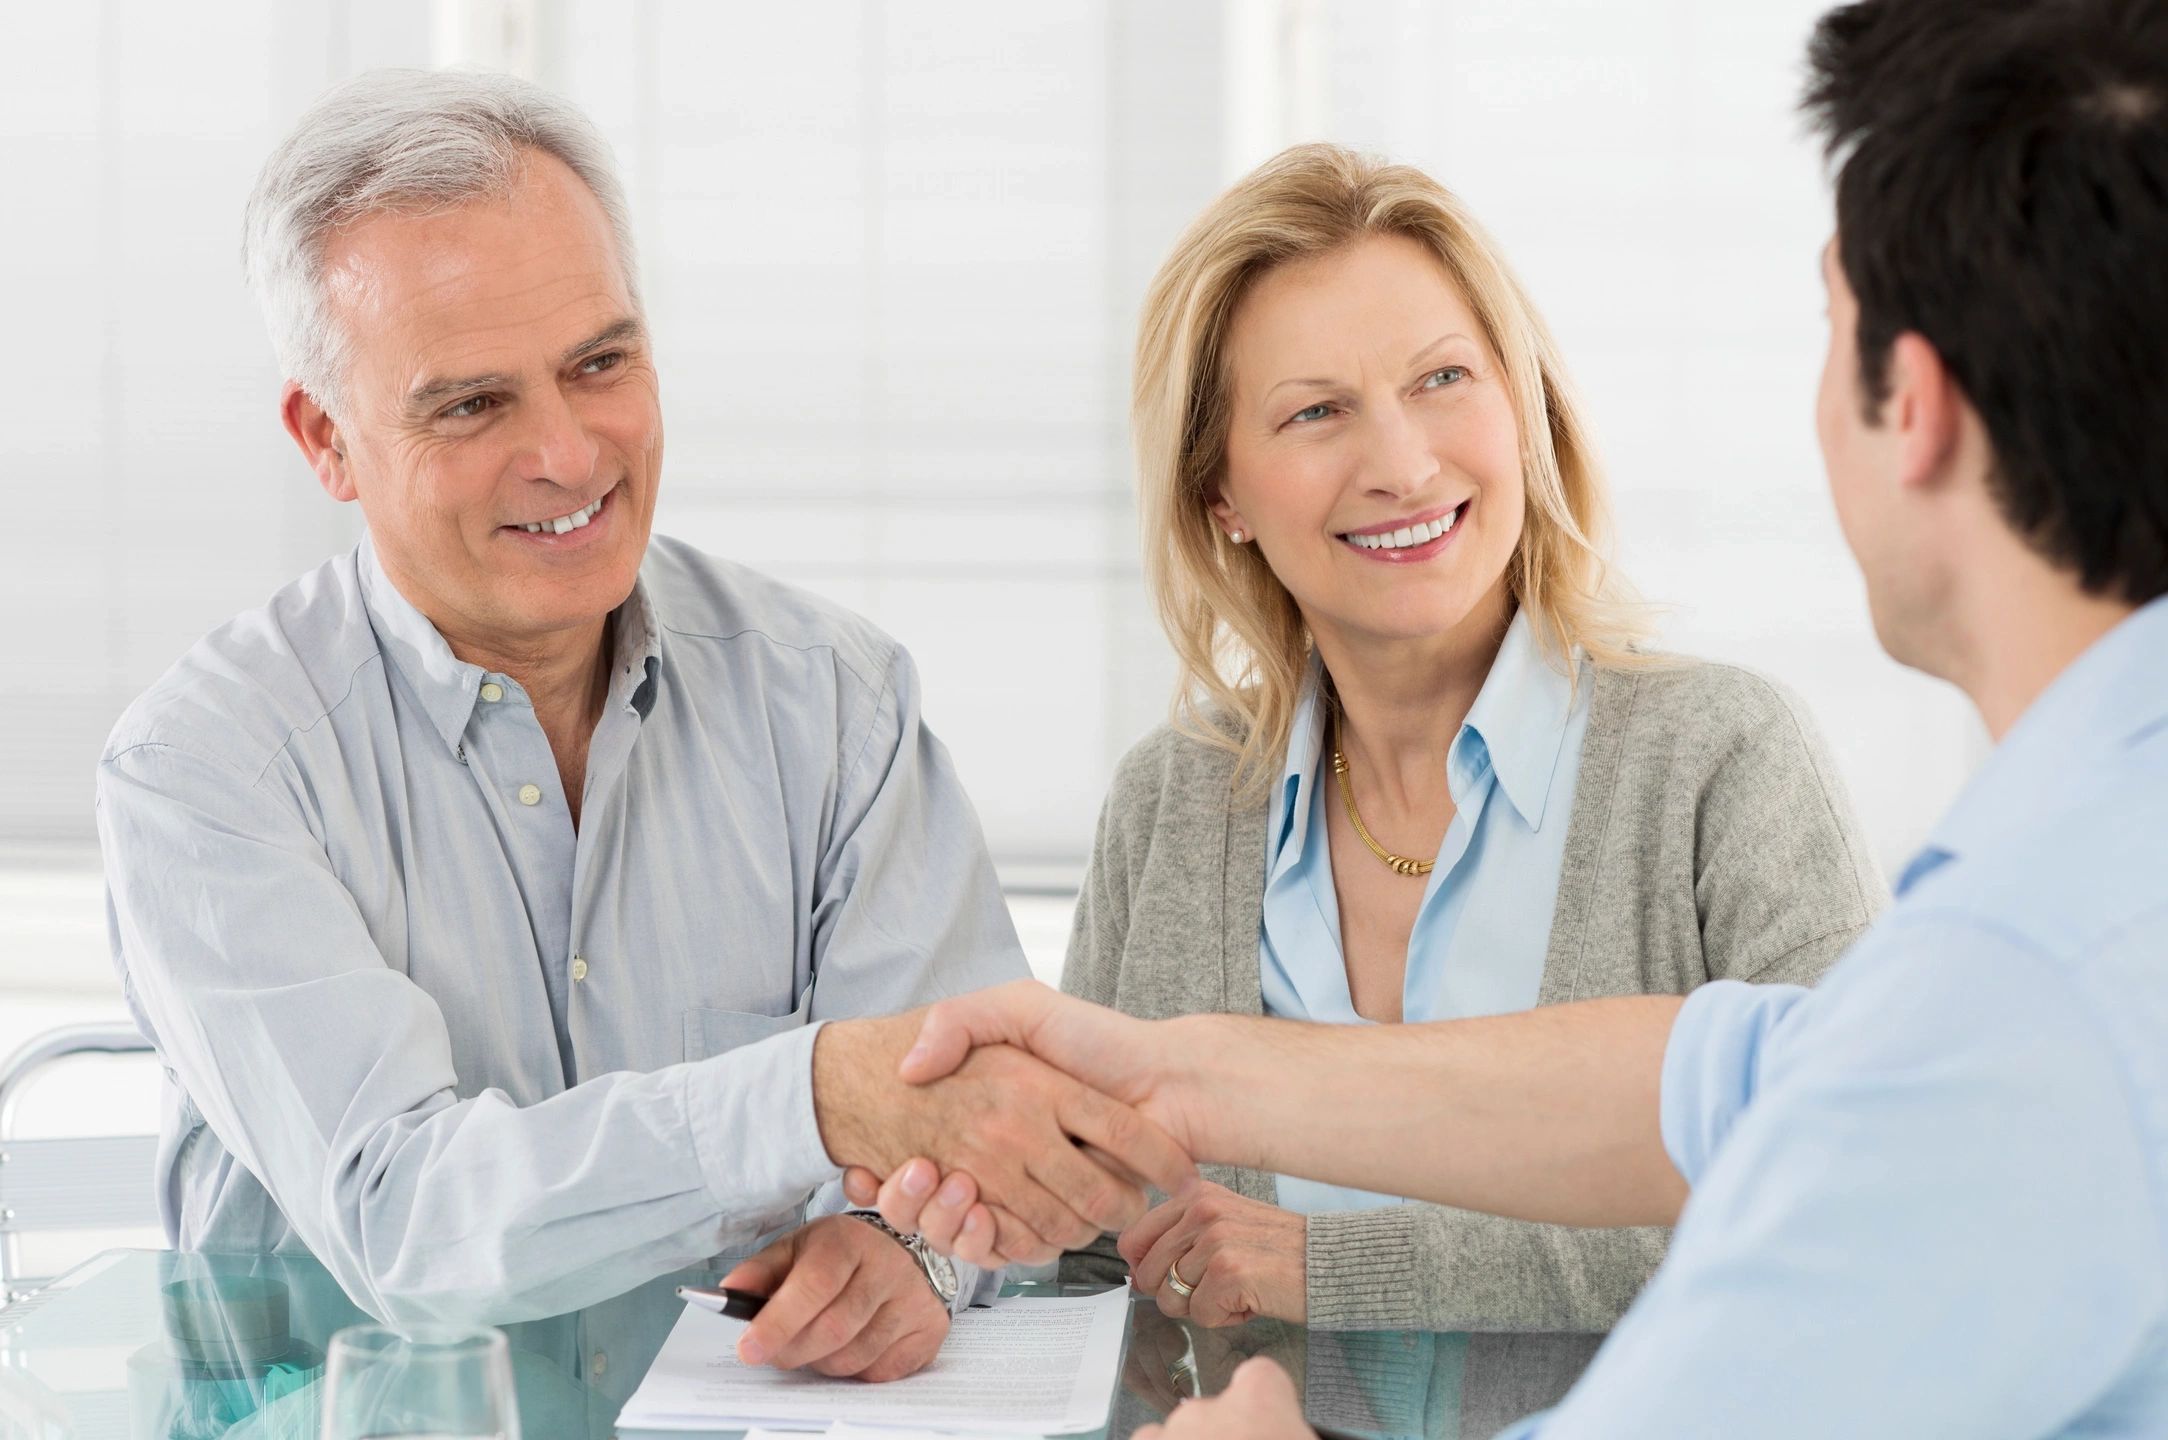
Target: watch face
{"type": "Point", "coordinates": [941, 1271]}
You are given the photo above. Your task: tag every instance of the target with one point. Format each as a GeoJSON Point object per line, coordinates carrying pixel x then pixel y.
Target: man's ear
{"type": "Point", "coordinates": [317, 434]}
{"type": "Point", "coordinates": [1924, 412]}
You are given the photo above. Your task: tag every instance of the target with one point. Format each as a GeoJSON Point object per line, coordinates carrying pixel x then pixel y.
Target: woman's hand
{"type": "Point", "coordinates": [1260, 1403]}
{"type": "Point", "coordinates": [1241, 1258]}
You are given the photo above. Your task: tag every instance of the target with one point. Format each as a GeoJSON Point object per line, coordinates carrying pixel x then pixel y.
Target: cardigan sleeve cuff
{"type": "Point", "coordinates": [1360, 1269]}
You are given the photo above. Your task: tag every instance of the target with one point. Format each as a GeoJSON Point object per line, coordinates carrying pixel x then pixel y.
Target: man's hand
{"type": "Point", "coordinates": [1260, 1403]}
{"type": "Point", "coordinates": [843, 1299]}
{"type": "Point", "coordinates": [1012, 1122]}
{"type": "Point", "coordinates": [1240, 1257]}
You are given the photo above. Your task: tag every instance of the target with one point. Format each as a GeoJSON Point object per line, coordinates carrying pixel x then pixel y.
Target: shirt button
{"type": "Point", "coordinates": [492, 691]}
{"type": "Point", "coordinates": [579, 968]}
{"type": "Point", "coordinates": [599, 1366]}
{"type": "Point", "coordinates": [530, 794]}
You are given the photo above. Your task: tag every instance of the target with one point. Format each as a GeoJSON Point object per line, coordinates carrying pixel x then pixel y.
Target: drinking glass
{"type": "Point", "coordinates": [425, 1382]}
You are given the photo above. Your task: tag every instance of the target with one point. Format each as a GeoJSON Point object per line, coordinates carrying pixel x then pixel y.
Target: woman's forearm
{"type": "Point", "coordinates": [1550, 1114]}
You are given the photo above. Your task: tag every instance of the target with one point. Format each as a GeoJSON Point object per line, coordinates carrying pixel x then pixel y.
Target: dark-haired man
{"type": "Point", "coordinates": [1929, 1198]}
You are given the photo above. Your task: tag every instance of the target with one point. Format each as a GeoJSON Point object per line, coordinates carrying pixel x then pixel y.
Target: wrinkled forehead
{"type": "Point", "coordinates": [500, 279]}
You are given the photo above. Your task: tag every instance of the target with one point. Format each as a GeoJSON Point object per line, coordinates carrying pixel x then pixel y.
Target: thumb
{"type": "Point", "coordinates": [1260, 1381]}
{"type": "Point", "coordinates": [861, 1187]}
{"type": "Point", "coordinates": [952, 1029]}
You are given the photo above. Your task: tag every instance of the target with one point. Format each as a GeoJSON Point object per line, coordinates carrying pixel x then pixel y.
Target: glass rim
{"type": "Point", "coordinates": [426, 1341]}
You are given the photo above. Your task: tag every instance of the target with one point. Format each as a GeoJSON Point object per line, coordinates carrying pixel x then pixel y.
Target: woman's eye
{"type": "Point", "coordinates": [1447, 376]}
{"type": "Point", "coordinates": [470, 407]}
{"type": "Point", "coordinates": [1314, 412]}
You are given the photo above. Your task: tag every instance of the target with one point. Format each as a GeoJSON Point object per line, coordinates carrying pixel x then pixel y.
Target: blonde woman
{"type": "Point", "coordinates": [1419, 767]}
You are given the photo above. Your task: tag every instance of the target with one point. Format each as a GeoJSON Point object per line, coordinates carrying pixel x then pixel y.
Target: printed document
{"type": "Point", "coordinates": [1046, 1367]}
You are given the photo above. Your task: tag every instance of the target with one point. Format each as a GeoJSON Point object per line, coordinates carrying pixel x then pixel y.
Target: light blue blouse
{"type": "Point", "coordinates": [1485, 921]}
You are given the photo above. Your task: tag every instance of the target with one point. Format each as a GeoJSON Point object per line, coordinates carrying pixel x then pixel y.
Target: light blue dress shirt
{"type": "Point", "coordinates": [1485, 920]}
{"type": "Point", "coordinates": [1931, 1196]}
{"type": "Point", "coordinates": [481, 1065]}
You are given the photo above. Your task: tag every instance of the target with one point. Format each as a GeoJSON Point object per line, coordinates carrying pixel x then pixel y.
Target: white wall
{"type": "Point", "coordinates": [893, 253]}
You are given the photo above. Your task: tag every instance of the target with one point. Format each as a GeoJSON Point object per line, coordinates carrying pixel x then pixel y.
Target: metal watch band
{"type": "Point", "coordinates": [934, 1267]}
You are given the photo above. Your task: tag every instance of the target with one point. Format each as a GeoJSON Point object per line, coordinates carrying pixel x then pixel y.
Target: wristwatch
{"type": "Point", "coordinates": [939, 1270]}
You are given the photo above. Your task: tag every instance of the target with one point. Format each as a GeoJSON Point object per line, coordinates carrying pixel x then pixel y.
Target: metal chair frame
{"type": "Point", "coordinates": [69, 1183]}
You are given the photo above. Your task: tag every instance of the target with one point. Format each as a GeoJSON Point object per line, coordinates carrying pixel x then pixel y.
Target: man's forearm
{"type": "Point", "coordinates": [1550, 1114]}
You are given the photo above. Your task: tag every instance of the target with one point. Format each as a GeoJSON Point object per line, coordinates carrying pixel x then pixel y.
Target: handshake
{"type": "Point", "coordinates": [1011, 1124]}
{"type": "Point", "coordinates": [1025, 1122]}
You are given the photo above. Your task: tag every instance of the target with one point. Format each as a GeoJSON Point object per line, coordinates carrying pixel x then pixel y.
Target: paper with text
{"type": "Point", "coordinates": [1042, 1366]}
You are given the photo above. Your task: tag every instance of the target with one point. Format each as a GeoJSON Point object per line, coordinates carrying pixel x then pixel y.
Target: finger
{"type": "Point", "coordinates": [1142, 1148]}
{"type": "Point", "coordinates": [881, 1330]}
{"type": "Point", "coordinates": [840, 1322]}
{"type": "Point", "coordinates": [978, 1241]}
{"type": "Point", "coordinates": [861, 1186]}
{"type": "Point", "coordinates": [1111, 1165]}
{"type": "Point", "coordinates": [1177, 1240]}
{"type": "Point", "coordinates": [907, 1356]}
{"type": "Point", "coordinates": [764, 1272]}
{"type": "Point", "coordinates": [1036, 1194]}
{"type": "Point", "coordinates": [902, 1197]}
{"type": "Point", "coordinates": [1137, 1241]}
{"type": "Point", "coordinates": [1019, 1240]}
{"type": "Point", "coordinates": [815, 1280]}
{"type": "Point", "coordinates": [943, 1218]}
{"type": "Point", "coordinates": [1219, 1299]}
{"type": "Point", "coordinates": [1264, 1386]}
{"type": "Point", "coordinates": [953, 1028]}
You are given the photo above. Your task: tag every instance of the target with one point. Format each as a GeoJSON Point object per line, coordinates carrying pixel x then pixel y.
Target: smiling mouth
{"type": "Point", "coordinates": [566, 524]}
{"type": "Point", "coordinates": [1407, 537]}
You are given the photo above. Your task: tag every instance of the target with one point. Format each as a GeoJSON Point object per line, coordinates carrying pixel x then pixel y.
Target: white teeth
{"type": "Point", "coordinates": [1407, 535]}
{"type": "Point", "coordinates": [564, 523]}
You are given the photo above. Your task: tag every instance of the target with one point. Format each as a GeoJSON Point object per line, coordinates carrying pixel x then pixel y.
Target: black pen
{"type": "Point", "coordinates": [737, 1304]}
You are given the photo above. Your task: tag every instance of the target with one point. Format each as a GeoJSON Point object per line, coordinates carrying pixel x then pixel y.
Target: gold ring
{"type": "Point", "coordinates": [1176, 1283]}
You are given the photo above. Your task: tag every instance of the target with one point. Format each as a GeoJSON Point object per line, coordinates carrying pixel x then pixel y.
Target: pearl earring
{"type": "Point", "coordinates": [1235, 535]}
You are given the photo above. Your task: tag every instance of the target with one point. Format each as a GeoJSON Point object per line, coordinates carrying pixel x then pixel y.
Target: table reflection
{"type": "Point", "coordinates": [158, 1346]}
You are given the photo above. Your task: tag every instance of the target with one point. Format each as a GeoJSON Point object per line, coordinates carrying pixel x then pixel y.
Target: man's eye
{"type": "Point", "coordinates": [470, 407]}
{"type": "Point", "coordinates": [1438, 378]}
{"type": "Point", "coordinates": [1314, 412]}
{"type": "Point", "coordinates": [595, 365]}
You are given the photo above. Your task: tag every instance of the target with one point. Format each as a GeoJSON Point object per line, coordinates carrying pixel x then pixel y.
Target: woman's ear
{"type": "Point", "coordinates": [1229, 519]}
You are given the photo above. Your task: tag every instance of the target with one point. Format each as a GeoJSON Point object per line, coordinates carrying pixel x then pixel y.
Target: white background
{"type": "Point", "coordinates": [893, 254]}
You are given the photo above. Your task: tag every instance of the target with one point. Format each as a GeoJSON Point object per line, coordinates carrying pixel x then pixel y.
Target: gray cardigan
{"type": "Point", "coordinates": [1710, 838]}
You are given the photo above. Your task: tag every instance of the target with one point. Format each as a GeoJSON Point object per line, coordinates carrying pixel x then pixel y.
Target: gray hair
{"type": "Point", "coordinates": [399, 140]}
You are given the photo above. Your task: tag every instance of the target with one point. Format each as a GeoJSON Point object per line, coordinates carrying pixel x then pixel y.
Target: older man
{"type": "Point", "coordinates": [482, 890]}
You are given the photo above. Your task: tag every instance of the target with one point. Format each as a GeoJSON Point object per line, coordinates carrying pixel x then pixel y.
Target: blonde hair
{"type": "Point", "coordinates": [1240, 640]}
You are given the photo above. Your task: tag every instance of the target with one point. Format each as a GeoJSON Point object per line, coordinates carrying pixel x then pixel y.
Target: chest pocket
{"type": "Point", "coordinates": [710, 1032]}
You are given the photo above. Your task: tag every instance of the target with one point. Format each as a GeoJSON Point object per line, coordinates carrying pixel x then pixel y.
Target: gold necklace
{"type": "Point", "coordinates": [1400, 864]}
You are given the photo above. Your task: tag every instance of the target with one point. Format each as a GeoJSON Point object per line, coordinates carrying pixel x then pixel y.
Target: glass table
{"type": "Point", "coordinates": [88, 1358]}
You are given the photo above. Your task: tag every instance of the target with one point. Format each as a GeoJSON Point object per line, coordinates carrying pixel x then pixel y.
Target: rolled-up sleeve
{"type": "Point", "coordinates": [1712, 1065]}
{"type": "Point", "coordinates": [329, 1075]}
{"type": "Point", "coordinates": [1936, 1216]}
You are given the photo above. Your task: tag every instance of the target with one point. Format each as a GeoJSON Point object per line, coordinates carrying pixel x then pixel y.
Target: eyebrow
{"type": "Point", "coordinates": [1436, 345]}
{"type": "Point", "coordinates": [428, 396]}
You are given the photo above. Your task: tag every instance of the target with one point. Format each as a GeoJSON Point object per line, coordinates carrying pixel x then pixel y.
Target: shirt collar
{"type": "Point", "coordinates": [1519, 720]}
{"type": "Point", "coordinates": [448, 686]}
{"type": "Point", "coordinates": [1516, 727]}
{"type": "Point", "coordinates": [1305, 747]}
{"type": "Point", "coordinates": [2104, 700]}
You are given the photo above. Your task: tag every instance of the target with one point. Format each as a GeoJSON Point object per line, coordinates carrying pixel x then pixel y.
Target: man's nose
{"type": "Point", "coordinates": [560, 448]}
